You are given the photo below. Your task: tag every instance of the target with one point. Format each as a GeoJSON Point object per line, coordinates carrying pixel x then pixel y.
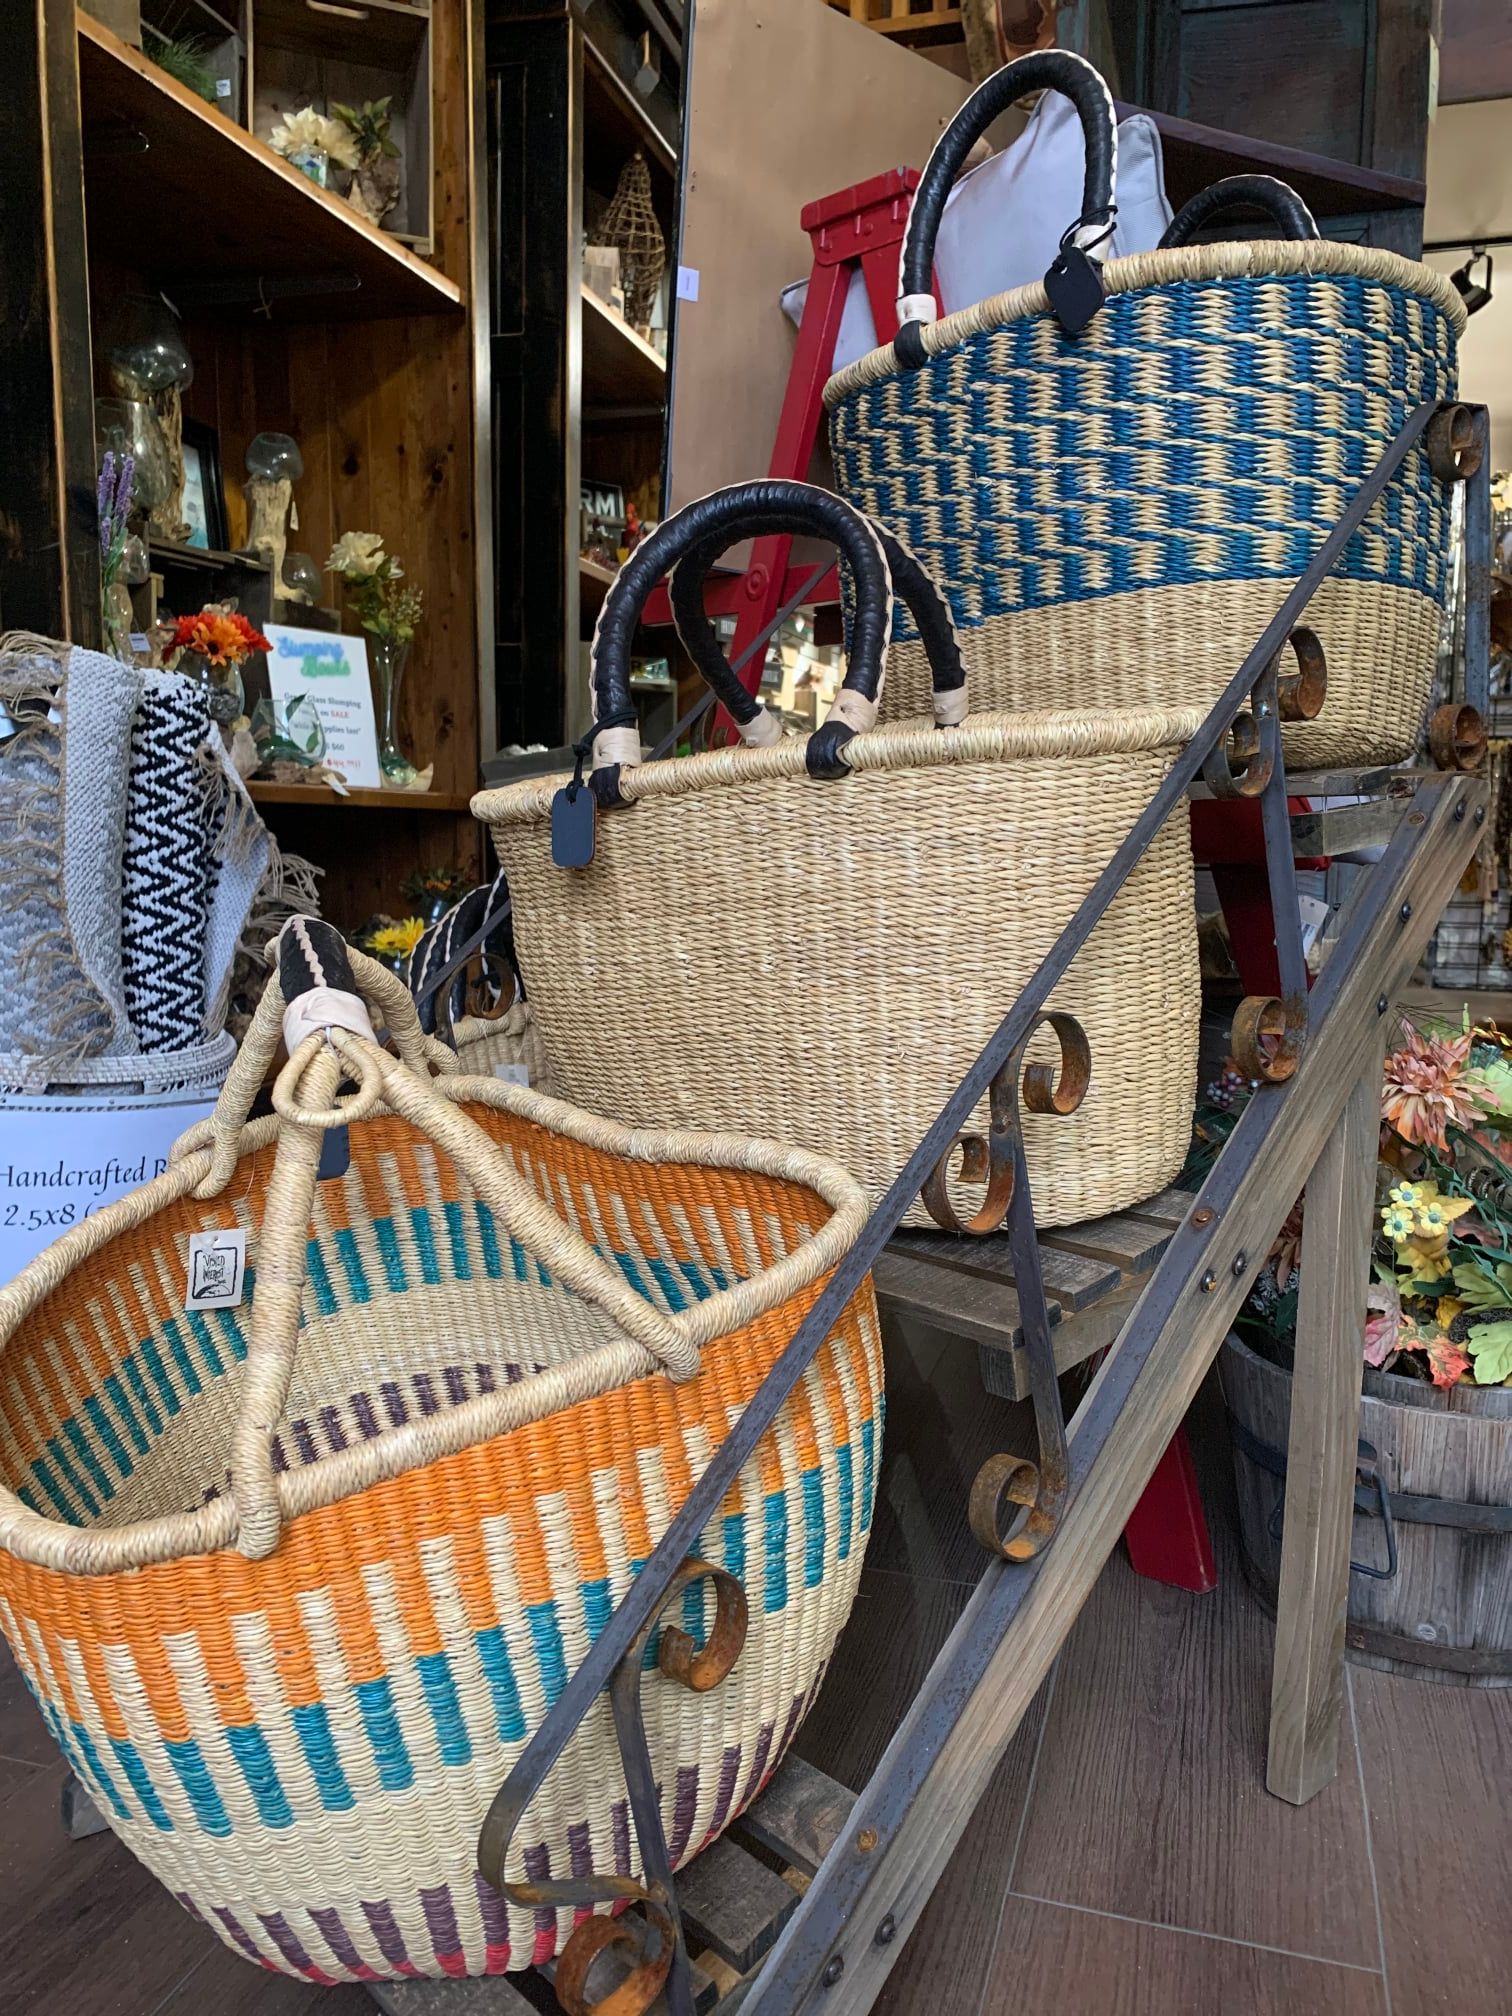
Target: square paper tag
{"type": "Point", "coordinates": [217, 1269]}
{"type": "Point", "coordinates": [513, 1074]}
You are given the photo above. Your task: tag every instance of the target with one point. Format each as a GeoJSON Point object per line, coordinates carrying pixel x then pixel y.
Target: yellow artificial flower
{"type": "Point", "coordinates": [1397, 1221]}
{"type": "Point", "coordinates": [401, 938]}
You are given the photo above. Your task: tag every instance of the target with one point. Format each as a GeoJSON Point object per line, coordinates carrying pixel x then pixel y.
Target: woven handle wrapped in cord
{"type": "Point", "coordinates": [1047, 70]}
{"type": "Point", "coordinates": [911, 584]}
{"type": "Point", "coordinates": [768, 505]}
{"type": "Point", "coordinates": [1266, 193]}
{"type": "Point", "coordinates": [321, 1017]}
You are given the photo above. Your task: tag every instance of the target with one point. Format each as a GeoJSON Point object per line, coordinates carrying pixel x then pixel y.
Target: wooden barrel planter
{"type": "Point", "coordinates": [1445, 1461]}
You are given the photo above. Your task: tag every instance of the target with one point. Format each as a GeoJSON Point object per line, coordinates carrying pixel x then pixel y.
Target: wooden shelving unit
{"type": "Point", "coordinates": [620, 368]}
{"type": "Point", "coordinates": [317, 797]}
{"type": "Point", "coordinates": [213, 216]}
{"type": "Point", "coordinates": [594, 582]}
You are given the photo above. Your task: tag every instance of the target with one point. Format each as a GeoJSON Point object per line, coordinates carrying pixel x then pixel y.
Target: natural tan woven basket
{"type": "Point", "coordinates": [1115, 511]}
{"type": "Point", "coordinates": [294, 1584]}
{"type": "Point", "coordinates": [822, 956]}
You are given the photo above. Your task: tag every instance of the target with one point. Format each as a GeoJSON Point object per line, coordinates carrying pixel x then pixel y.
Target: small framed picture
{"type": "Point", "coordinates": [204, 495]}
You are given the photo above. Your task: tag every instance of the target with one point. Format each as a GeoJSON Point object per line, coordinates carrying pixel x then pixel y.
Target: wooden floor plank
{"type": "Point", "coordinates": [1150, 1796]}
{"type": "Point", "coordinates": [895, 1630]}
{"type": "Point", "coordinates": [1438, 1768]}
{"type": "Point", "coordinates": [1051, 1961]}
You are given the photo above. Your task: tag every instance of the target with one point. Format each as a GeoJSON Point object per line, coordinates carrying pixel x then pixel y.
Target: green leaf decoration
{"type": "Point", "coordinates": [1483, 1287]}
{"type": "Point", "coordinates": [1490, 1345]}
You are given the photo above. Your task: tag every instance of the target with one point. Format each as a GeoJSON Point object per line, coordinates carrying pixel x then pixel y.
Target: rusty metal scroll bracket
{"type": "Point", "coordinates": [699, 1669]}
{"type": "Point", "coordinates": [1015, 1504]}
{"type": "Point", "coordinates": [993, 1158]}
{"type": "Point", "coordinates": [1457, 737]}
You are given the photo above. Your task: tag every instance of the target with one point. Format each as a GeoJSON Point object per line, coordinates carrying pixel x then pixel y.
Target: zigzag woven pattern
{"type": "Point", "coordinates": [302, 1747]}
{"type": "Point", "coordinates": [165, 868]}
{"type": "Point", "coordinates": [1198, 432]}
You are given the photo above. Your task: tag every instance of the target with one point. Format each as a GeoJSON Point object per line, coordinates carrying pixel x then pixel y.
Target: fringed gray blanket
{"type": "Point", "coordinates": [132, 862]}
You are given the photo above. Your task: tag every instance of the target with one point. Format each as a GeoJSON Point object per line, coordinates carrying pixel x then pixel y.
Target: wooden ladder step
{"type": "Point", "coordinates": [798, 1817]}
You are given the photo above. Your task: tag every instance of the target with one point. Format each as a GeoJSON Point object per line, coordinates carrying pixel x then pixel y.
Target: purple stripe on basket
{"type": "Point", "coordinates": [538, 1870]}
{"type": "Point", "coordinates": [619, 1822]}
{"type": "Point", "coordinates": [281, 1933]}
{"type": "Point", "coordinates": [390, 1939]}
{"type": "Point", "coordinates": [758, 1765]}
{"type": "Point", "coordinates": [684, 1806]}
{"type": "Point", "coordinates": [441, 1921]}
{"type": "Point", "coordinates": [729, 1768]}
{"type": "Point", "coordinates": [367, 1420]}
{"type": "Point", "coordinates": [243, 1938]}
{"type": "Point", "coordinates": [493, 1911]}
{"type": "Point", "coordinates": [189, 1905]}
{"type": "Point", "coordinates": [304, 1442]}
{"type": "Point", "coordinates": [334, 1932]}
{"type": "Point", "coordinates": [425, 1393]}
{"type": "Point", "coordinates": [280, 1457]}
{"type": "Point", "coordinates": [580, 1849]}
{"type": "Point", "coordinates": [456, 1384]}
{"type": "Point", "coordinates": [487, 1383]}
{"type": "Point", "coordinates": [514, 1374]}
{"type": "Point", "coordinates": [335, 1434]}
{"type": "Point", "coordinates": [393, 1401]}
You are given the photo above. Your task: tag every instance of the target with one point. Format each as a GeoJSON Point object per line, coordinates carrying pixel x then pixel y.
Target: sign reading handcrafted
{"type": "Point", "coordinates": [62, 1160]}
{"type": "Point", "coordinates": [332, 672]}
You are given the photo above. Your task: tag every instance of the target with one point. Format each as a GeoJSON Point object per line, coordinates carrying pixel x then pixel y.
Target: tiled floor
{"type": "Point", "coordinates": [1127, 1860]}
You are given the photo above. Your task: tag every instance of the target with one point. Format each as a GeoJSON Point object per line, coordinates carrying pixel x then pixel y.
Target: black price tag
{"type": "Point", "coordinates": [574, 818]}
{"type": "Point", "coordinates": [335, 1154]}
{"type": "Point", "coordinates": [1075, 287]}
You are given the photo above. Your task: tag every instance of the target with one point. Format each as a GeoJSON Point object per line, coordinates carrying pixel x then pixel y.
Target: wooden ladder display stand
{"type": "Point", "coordinates": [1169, 1278]}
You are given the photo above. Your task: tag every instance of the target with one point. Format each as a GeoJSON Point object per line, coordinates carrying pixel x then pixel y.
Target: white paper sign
{"type": "Point", "coordinates": [687, 283]}
{"type": "Point", "coordinates": [61, 1160]}
{"type": "Point", "coordinates": [333, 671]}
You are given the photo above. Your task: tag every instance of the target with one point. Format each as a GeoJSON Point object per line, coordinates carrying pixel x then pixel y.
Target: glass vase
{"type": "Point", "coordinates": [116, 617]}
{"type": "Point", "coordinates": [389, 656]}
{"type": "Point", "coordinates": [225, 696]}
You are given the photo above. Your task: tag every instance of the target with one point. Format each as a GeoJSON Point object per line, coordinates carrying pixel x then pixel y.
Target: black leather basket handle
{"type": "Point", "coordinates": [1273, 198]}
{"type": "Point", "coordinates": [1047, 70]}
{"type": "Point", "coordinates": [741, 511]}
{"type": "Point", "coordinates": [911, 584]}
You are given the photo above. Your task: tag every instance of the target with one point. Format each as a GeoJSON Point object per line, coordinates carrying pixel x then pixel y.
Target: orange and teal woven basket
{"type": "Point", "coordinates": [293, 1581]}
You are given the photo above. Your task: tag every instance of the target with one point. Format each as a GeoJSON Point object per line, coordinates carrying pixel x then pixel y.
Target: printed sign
{"type": "Point", "coordinates": [62, 1160]}
{"type": "Point", "coordinates": [332, 671]}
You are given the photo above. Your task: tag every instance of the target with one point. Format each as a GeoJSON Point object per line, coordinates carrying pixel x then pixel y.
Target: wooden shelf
{"type": "Point", "coordinates": [1197, 155]}
{"type": "Point", "coordinates": [211, 212]}
{"type": "Point", "coordinates": [619, 122]}
{"type": "Point", "coordinates": [317, 795]}
{"type": "Point", "coordinates": [376, 31]}
{"type": "Point", "coordinates": [594, 581]}
{"type": "Point", "coordinates": [168, 553]}
{"type": "Point", "coordinates": [619, 367]}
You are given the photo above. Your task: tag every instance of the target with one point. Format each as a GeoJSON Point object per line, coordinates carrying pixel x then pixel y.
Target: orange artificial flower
{"type": "Point", "coordinates": [222, 639]}
{"type": "Point", "coordinates": [1423, 1093]}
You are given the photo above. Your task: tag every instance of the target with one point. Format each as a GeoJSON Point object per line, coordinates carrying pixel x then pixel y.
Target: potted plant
{"type": "Point", "coordinates": [1436, 1417]}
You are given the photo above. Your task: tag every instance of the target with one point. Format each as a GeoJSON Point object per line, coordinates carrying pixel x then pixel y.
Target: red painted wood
{"type": "Point", "coordinates": [1167, 1536]}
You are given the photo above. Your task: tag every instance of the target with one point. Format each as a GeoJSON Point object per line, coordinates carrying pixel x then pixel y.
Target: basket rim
{"type": "Point", "coordinates": [994, 737]}
{"type": "Point", "coordinates": [1239, 259]}
{"type": "Point", "coordinates": [52, 1543]}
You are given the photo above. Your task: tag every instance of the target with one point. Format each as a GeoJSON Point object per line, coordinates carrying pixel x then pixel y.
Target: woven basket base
{"type": "Point", "coordinates": [1180, 646]}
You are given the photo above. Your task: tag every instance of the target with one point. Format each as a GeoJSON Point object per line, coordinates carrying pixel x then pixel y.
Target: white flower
{"type": "Point", "coordinates": [308, 132]}
{"type": "Point", "coordinates": [358, 555]}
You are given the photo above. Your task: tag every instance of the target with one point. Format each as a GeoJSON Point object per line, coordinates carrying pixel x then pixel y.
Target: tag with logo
{"type": "Point", "coordinates": [217, 1269]}
{"type": "Point", "coordinates": [512, 1074]}
{"type": "Point", "coordinates": [574, 813]}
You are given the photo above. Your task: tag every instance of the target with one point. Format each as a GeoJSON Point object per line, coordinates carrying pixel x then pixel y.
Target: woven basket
{"type": "Point", "coordinates": [293, 1662]}
{"type": "Point", "coordinates": [822, 955]}
{"type": "Point", "coordinates": [1116, 513]}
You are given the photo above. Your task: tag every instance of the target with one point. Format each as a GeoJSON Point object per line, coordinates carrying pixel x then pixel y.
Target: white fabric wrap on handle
{"type": "Point", "coordinates": [322, 1009]}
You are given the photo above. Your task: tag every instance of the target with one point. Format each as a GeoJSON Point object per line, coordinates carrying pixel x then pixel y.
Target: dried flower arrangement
{"type": "Point", "coordinates": [1440, 1298]}
{"type": "Point", "coordinates": [308, 139]}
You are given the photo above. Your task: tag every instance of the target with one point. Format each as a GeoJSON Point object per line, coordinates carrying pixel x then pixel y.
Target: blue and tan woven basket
{"type": "Point", "coordinates": [1116, 511]}
{"type": "Point", "coordinates": [295, 1580]}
